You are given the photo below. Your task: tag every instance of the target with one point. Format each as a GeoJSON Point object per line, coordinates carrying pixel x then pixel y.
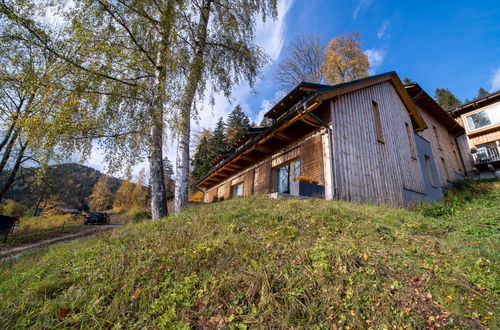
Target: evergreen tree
{"type": "Point", "coordinates": [446, 99]}
{"type": "Point", "coordinates": [201, 162]}
{"type": "Point", "coordinates": [237, 124]}
{"type": "Point", "coordinates": [218, 142]}
{"type": "Point", "coordinates": [168, 170]}
{"type": "Point", "coordinates": [481, 93]}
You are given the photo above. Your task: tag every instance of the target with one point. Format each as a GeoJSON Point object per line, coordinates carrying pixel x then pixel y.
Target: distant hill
{"type": "Point", "coordinates": [72, 183]}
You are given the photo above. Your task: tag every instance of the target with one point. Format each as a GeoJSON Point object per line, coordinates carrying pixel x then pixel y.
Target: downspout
{"type": "Point", "coordinates": [330, 145]}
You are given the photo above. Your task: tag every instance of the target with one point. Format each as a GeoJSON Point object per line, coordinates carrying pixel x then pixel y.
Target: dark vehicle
{"type": "Point", "coordinates": [96, 218]}
{"type": "Point", "coordinates": [7, 224]}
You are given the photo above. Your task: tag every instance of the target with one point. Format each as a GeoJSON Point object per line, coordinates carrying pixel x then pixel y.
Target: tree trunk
{"type": "Point", "coordinates": [157, 179]}
{"type": "Point", "coordinates": [13, 172]}
{"type": "Point", "coordinates": [8, 150]}
{"type": "Point", "coordinates": [7, 135]}
{"type": "Point", "coordinates": [195, 74]}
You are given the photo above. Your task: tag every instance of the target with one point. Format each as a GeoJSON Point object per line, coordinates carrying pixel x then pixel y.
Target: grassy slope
{"type": "Point", "coordinates": [273, 263]}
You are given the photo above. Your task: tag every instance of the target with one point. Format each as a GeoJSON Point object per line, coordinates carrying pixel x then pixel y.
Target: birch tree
{"type": "Point", "coordinates": [122, 50]}
{"type": "Point", "coordinates": [220, 53]}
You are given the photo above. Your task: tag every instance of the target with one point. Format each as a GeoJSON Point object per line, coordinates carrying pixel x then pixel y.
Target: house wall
{"type": "Point", "coordinates": [444, 149]}
{"type": "Point", "coordinates": [366, 169]}
{"type": "Point", "coordinates": [260, 178]}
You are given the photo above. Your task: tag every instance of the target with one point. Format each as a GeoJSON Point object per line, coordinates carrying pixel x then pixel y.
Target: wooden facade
{"type": "Point", "coordinates": [374, 155]}
{"type": "Point", "coordinates": [483, 142]}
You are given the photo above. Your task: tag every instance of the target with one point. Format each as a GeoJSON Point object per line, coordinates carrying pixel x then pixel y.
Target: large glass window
{"type": "Point", "coordinates": [484, 118]}
{"type": "Point", "coordinates": [238, 190]}
{"type": "Point", "coordinates": [296, 169]}
{"type": "Point", "coordinates": [284, 179]}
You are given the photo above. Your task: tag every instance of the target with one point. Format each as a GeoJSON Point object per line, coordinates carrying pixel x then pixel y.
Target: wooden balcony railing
{"type": "Point", "coordinates": [486, 155]}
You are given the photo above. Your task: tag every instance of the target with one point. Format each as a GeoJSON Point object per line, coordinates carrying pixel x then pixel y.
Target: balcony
{"type": "Point", "coordinates": [486, 155]}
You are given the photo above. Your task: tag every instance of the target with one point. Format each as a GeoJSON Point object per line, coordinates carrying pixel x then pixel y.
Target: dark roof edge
{"type": "Point", "coordinates": [471, 103]}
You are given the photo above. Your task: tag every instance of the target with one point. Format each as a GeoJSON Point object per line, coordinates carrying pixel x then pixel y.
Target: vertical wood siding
{"type": "Point", "coordinates": [443, 147]}
{"type": "Point", "coordinates": [248, 183]}
{"type": "Point", "coordinates": [368, 170]}
{"type": "Point", "coordinates": [484, 138]}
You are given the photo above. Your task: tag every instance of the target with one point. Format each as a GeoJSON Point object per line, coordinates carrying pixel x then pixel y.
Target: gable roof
{"type": "Point", "coordinates": [476, 104]}
{"type": "Point", "coordinates": [312, 95]}
{"type": "Point", "coordinates": [420, 96]}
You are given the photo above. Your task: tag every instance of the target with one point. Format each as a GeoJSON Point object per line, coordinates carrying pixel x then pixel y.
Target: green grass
{"type": "Point", "coordinates": [258, 262]}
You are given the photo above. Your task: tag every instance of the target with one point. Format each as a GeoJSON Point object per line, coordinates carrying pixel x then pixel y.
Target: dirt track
{"type": "Point", "coordinates": [13, 252]}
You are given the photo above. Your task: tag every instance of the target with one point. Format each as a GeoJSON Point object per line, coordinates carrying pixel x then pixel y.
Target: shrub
{"type": "Point", "coordinates": [12, 208]}
{"type": "Point", "coordinates": [141, 215]}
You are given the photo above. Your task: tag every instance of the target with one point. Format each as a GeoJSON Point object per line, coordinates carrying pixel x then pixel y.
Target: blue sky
{"type": "Point", "coordinates": [450, 44]}
{"type": "Point", "coordinates": [447, 44]}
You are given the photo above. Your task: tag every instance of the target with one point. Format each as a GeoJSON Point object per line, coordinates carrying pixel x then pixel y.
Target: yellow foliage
{"type": "Point", "coordinates": [12, 208]}
{"type": "Point", "coordinates": [27, 223]}
{"type": "Point", "coordinates": [196, 197]}
{"type": "Point", "coordinates": [344, 60]}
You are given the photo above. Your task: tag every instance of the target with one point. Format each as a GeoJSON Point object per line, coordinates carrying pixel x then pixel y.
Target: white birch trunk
{"type": "Point", "coordinates": [195, 75]}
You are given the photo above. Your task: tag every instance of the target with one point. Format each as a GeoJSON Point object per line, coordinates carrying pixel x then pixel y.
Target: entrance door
{"type": "Point", "coordinates": [284, 179]}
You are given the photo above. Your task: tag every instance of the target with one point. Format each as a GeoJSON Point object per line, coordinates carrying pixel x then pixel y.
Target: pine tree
{"type": "Point", "coordinates": [168, 170]}
{"type": "Point", "coordinates": [481, 93]}
{"type": "Point", "coordinates": [218, 143]}
{"type": "Point", "coordinates": [446, 99]}
{"type": "Point", "coordinates": [237, 124]}
{"type": "Point", "coordinates": [201, 162]}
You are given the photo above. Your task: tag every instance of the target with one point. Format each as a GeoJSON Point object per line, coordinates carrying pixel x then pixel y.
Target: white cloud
{"type": "Point", "coordinates": [361, 5]}
{"type": "Point", "coordinates": [267, 104]}
{"type": "Point", "coordinates": [382, 29]}
{"type": "Point", "coordinates": [376, 58]}
{"type": "Point", "coordinates": [495, 80]}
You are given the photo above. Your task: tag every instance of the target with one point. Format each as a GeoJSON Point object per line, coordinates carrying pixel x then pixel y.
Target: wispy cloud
{"type": "Point", "coordinates": [266, 105]}
{"type": "Point", "coordinates": [495, 80]}
{"type": "Point", "coordinates": [376, 58]}
{"type": "Point", "coordinates": [382, 29]}
{"type": "Point", "coordinates": [361, 5]}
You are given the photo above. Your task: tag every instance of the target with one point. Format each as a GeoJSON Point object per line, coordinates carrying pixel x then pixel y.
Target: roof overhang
{"type": "Point", "coordinates": [291, 109]}
{"type": "Point", "coordinates": [476, 104]}
{"type": "Point", "coordinates": [424, 100]}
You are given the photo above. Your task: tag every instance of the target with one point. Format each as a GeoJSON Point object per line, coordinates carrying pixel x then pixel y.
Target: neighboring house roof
{"type": "Point", "coordinates": [476, 104]}
{"type": "Point", "coordinates": [420, 97]}
{"type": "Point", "coordinates": [311, 96]}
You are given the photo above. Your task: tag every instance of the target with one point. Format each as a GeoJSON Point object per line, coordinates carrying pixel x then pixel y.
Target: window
{"type": "Point", "coordinates": [410, 141]}
{"type": "Point", "coordinates": [437, 136]}
{"type": "Point", "coordinates": [378, 122]}
{"type": "Point", "coordinates": [429, 170]}
{"type": "Point", "coordinates": [445, 169]}
{"type": "Point", "coordinates": [296, 170]}
{"type": "Point", "coordinates": [238, 190]}
{"type": "Point", "coordinates": [484, 118]}
{"type": "Point", "coordinates": [284, 179]}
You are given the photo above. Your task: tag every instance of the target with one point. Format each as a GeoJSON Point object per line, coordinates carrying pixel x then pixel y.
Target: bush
{"type": "Point", "coordinates": [12, 208]}
{"type": "Point", "coordinates": [141, 215]}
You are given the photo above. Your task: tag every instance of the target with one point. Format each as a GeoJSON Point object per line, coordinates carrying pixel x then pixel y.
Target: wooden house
{"type": "Point", "coordinates": [362, 141]}
{"type": "Point", "coordinates": [481, 120]}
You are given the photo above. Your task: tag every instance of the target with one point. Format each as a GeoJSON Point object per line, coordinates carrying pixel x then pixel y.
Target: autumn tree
{"type": "Point", "coordinates": [101, 198]}
{"type": "Point", "coordinates": [139, 194]}
{"type": "Point", "coordinates": [237, 124]}
{"type": "Point", "coordinates": [123, 196]}
{"type": "Point", "coordinates": [344, 60]}
{"type": "Point", "coordinates": [122, 51]}
{"type": "Point", "coordinates": [302, 61]}
{"type": "Point", "coordinates": [221, 52]}
{"type": "Point", "coordinates": [446, 99]}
